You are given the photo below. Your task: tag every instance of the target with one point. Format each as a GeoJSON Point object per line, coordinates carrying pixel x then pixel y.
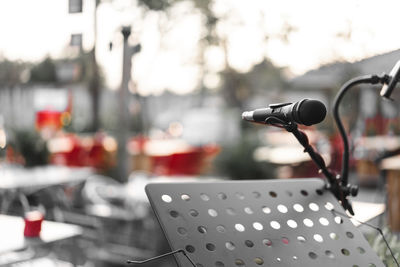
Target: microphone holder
{"type": "Point", "coordinates": [335, 184]}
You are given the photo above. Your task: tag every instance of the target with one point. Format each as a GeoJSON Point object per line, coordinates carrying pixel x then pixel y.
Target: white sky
{"type": "Point", "coordinates": [31, 29]}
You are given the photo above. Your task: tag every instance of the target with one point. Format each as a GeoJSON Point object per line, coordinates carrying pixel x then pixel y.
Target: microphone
{"type": "Point", "coordinates": [394, 77]}
{"type": "Point", "coordinates": [306, 112]}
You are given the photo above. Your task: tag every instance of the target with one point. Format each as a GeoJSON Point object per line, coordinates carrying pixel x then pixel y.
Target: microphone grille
{"type": "Point", "coordinates": [312, 112]}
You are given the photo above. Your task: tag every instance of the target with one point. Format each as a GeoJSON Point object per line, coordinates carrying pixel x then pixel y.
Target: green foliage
{"type": "Point", "coordinates": [85, 61]}
{"type": "Point", "coordinates": [11, 72]}
{"type": "Point", "coordinates": [378, 245]}
{"type": "Point", "coordinates": [45, 71]}
{"type": "Point", "coordinates": [265, 75]}
{"type": "Point", "coordinates": [31, 146]}
{"type": "Point", "coordinates": [157, 5]}
{"type": "Point", "coordinates": [237, 161]}
{"type": "Point", "coordinates": [16, 72]}
{"type": "Point", "coordinates": [239, 87]}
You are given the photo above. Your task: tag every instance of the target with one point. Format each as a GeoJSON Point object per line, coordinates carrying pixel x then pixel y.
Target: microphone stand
{"type": "Point", "coordinates": [340, 191]}
{"type": "Point", "coordinates": [338, 184]}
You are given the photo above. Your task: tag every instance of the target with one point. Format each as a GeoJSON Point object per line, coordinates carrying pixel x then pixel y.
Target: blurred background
{"type": "Point", "coordinates": [100, 97]}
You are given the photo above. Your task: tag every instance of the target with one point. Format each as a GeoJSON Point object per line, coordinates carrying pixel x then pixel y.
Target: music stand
{"type": "Point", "coordinates": [258, 223]}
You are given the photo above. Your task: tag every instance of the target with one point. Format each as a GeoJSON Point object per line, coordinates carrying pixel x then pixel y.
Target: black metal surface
{"type": "Point", "coordinates": [258, 223]}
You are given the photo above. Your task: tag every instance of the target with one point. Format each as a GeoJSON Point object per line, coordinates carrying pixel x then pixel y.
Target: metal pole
{"type": "Point", "coordinates": [94, 83]}
{"type": "Point", "coordinates": [123, 129]}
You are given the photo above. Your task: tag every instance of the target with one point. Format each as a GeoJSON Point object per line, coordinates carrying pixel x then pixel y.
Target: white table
{"type": "Point", "coordinates": [12, 177]}
{"type": "Point", "coordinates": [19, 181]}
{"type": "Point", "coordinates": [365, 211]}
{"type": "Point", "coordinates": [12, 236]}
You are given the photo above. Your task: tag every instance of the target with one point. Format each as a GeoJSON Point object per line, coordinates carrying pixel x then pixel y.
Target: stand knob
{"type": "Point", "coordinates": [353, 190]}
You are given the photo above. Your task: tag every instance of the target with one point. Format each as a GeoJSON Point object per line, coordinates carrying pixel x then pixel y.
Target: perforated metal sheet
{"type": "Point", "coordinates": [258, 223]}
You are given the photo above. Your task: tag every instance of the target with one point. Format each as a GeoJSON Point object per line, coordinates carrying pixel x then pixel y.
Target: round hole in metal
{"type": "Point", "coordinates": [204, 197]}
{"type": "Point", "coordinates": [212, 213]}
{"type": "Point", "coordinates": [219, 264]}
{"type": "Point", "coordinates": [248, 210]}
{"type": "Point", "coordinates": [222, 196]}
{"type": "Point", "coordinates": [349, 235]}
{"type": "Point", "coordinates": [174, 214]}
{"type": "Point", "coordinates": [297, 207]}
{"type": "Point", "coordinates": [267, 242]}
{"type": "Point", "coordinates": [329, 254]}
{"type": "Point", "coordinates": [312, 255]}
{"type": "Point", "coordinates": [278, 259]}
{"type": "Point", "coordinates": [345, 252]}
{"type": "Point", "coordinates": [239, 227]}
{"type": "Point", "coordinates": [275, 225]}
{"type": "Point", "coordinates": [338, 220]}
{"type": "Point", "coordinates": [239, 262]}
{"type": "Point", "coordinates": [239, 195]}
{"type": "Point", "coordinates": [360, 250]}
{"type": "Point", "coordinates": [318, 238]}
{"type": "Point", "coordinates": [324, 221]}
{"type": "Point", "coordinates": [258, 226]}
{"type": "Point", "coordinates": [185, 197]}
{"type": "Point", "coordinates": [193, 213]}
{"type": "Point", "coordinates": [307, 222]}
{"type": "Point", "coordinates": [266, 210]}
{"type": "Point", "coordinates": [273, 194]}
{"type": "Point", "coordinates": [301, 239]}
{"type": "Point", "coordinates": [282, 208]}
{"type": "Point", "coordinates": [182, 231]}
{"type": "Point", "coordinates": [371, 265]}
{"type": "Point", "coordinates": [329, 206]}
{"type": "Point", "coordinates": [334, 236]}
{"type": "Point", "coordinates": [313, 206]}
{"type": "Point", "coordinates": [210, 247]}
{"type": "Point", "coordinates": [190, 248]}
{"type": "Point", "coordinates": [249, 243]}
{"type": "Point", "coordinates": [221, 229]}
{"type": "Point", "coordinates": [230, 211]}
{"type": "Point", "coordinates": [295, 258]}
{"type": "Point", "coordinates": [202, 229]}
{"type": "Point", "coordinates": [230, 246]}
{"type": "Point", "coordinates": [292, 224]}
{"type": "Point", "coordinates": [285, 240]}
{"type": "Point", "coordinates": [166, 198]}
{"type": "Point", "coordinates": [259, 261]}
{"type": "Point", "coordinates": [304, 193]}
{"type": "Point", "coordinates": [319, 192]}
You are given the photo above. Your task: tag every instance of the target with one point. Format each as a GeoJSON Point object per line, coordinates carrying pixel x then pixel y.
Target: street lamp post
{"type": "Point", "coordinates": [123, 129]}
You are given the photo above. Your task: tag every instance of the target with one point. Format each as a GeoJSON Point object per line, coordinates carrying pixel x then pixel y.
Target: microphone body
{"type": "Point", "coordinates": [306, 112]}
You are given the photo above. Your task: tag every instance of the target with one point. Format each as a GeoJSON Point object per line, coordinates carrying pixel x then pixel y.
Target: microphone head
{"type": "Point", "coordinates": [247, 116]}
{"type": "Point", "coordinates": [311, 112]}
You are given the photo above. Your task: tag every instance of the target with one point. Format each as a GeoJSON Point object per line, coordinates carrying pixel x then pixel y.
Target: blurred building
{"type": "Point", "coordinates": [328, 79]}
